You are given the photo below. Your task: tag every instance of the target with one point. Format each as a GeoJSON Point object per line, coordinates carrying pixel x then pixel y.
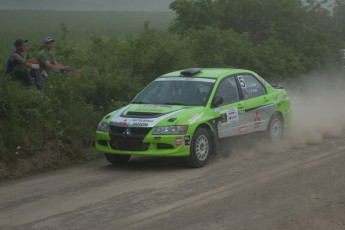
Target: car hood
{"type": "Point", "coordinates": [139, 115]}
{"type": "Point", "coordinates": [150, 110]}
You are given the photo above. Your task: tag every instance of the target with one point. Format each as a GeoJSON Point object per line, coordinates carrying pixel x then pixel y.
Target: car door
{"type": "Point", "coordinates": [230, 120]}
{"type": "Point", "coordinates": [257, 107]}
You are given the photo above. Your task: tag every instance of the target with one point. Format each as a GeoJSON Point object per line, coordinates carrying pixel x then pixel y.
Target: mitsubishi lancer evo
{"type": "Point", "coordinates": [188, 113]}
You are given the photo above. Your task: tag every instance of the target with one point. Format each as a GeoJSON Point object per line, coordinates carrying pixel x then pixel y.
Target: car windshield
{"type": "Point", "coordinates": [177, 91]}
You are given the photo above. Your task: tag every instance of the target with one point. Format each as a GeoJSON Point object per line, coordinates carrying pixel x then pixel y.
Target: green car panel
{"type": "Point", "coordinates": [163, 118]}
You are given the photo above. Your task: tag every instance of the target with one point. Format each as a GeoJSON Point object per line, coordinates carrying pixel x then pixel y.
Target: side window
{"type": "Point", "coordinates": [227, 89]}
{"type": "Point", "coordinates": [250, 86]}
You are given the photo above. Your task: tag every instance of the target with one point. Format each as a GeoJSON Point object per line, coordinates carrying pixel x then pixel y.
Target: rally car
{"type": "Point", "coordinates": [187, 113]}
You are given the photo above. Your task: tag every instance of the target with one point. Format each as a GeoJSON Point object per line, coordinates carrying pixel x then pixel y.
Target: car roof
{"type": "Point", "coordinates": [207, 72]}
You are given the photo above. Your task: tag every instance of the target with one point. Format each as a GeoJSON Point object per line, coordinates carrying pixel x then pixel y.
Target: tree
{"type": "Point", "coordinates": [339, 18]}
{"type": "Point", "coordinates": [306, 29]}
{"type": "Point", "coordinates": [192, 14]}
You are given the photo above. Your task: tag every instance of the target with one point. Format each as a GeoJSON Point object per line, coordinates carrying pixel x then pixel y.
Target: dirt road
{"type": "Point", "coordinates": [250, 188]}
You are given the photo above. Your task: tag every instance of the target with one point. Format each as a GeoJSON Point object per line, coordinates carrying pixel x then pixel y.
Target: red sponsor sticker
{"type": "Point", "coordinates": [257, 117]}
{"type": "Point", "coordinates": [178, 141]}
{"type": "Point", "coordinates": [124, 122]}
{"type": "Point", "coordinates": [243, 129]}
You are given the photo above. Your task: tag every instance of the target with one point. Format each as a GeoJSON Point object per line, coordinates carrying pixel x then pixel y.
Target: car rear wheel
{"type": "Point", "coordinates": [275, 128]}
{"type": "Point", "coordinates": [200, 149]}
{"type": "Point", "coordinates": [116, 159]}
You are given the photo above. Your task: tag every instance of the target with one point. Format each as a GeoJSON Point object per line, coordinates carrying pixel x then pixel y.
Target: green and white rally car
{"type": "Point", "coordinates": [187, 113]}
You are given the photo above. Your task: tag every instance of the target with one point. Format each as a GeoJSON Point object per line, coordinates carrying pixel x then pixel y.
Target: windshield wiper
{"type": "Point", "coordinates": [139, 102]}
{"type": "Point", "coordinates": [173, 103]}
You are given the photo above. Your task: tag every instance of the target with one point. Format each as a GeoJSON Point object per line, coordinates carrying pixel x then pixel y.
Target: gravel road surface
{"type": "Point", "coordinates": [251, 187]}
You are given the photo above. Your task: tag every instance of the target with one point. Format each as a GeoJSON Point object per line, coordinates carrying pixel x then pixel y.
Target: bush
{"type": "Point", "coordinates": [32, 119]}
{"type": "Point", "coordinates": [22, 119]}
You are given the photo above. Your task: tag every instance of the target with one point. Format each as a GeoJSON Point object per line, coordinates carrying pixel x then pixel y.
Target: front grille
{"type": "Point", "coordinates": [134, 131]}
{"type": "Point", "coordinates": [103, 142]}
{"type": "Point", "coordinates": [128, 138]}
{"type": "Point", "coordinates": [117, 130]}
{"type": "Point", "coordinates": [129, 145]}
{"type": "Point", "coordinates": [164, 146]}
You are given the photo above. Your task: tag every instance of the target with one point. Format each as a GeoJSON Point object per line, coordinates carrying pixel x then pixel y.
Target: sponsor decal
{"type": "Point", "coordinates": [257, 117]}
{"type": "Point", "coordinates": [139, 124]}
{"type": "Point", "coordinates": [257, 120]}
{"type": "Point", "coordinates": [178, 141]}
{"type": "Point", "coordinates": [224, 118]}
{"type": "Point", "coordinates": [253, 90]}
{"type": "Point", "coordinates": [229, 116]}
{"type": "Point", "coordinates": [187, 141]}
{"type": "Point", "coordinates": [135, 122]}
{"type": "Point", "coordinates": [142, 120]}
{"type": "Point", "coordinates": [233, 115]}
{"type": "Point", "coordinates": [252, 85]}
{"type": "Point", "coordinates": [243, 129]}
{"type": "Point", "coordinates": [196, 117]}
{"type": "Point", "coordinates": [242, 82]}
{"type": "Point", "coordinates": [124, 122]}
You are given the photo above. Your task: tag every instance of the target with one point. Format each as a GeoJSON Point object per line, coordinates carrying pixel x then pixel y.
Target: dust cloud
{"type": "Point", "coordinates": [318, 113]}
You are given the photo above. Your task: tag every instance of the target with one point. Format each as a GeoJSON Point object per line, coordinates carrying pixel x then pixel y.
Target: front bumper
{"type": "Point", "coordinates": [151, 145]}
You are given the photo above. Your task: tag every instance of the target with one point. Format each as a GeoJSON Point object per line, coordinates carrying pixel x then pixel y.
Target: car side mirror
{"type": "Point", "coordinates": [217, 100]}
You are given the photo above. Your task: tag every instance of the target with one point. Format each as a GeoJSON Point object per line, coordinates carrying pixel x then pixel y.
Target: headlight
{"type": "Point", "coordinates": [170, 130]}
{"type": "Point", "coordinates": [103, 127]}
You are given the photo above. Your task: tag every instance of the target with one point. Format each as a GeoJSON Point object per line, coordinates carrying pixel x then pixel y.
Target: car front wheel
{"type": "Point", "coordinates": [200, 149]}
{"type": "Point", "coordinates": [116, 159]}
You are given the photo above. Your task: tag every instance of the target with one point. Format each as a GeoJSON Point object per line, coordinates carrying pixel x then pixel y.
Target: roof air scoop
{"type": "Point", "coordinates": [190, 72]}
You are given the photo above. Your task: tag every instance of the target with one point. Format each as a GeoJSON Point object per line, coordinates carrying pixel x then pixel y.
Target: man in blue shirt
{"type": "Point", "coordinates": [19, 68]}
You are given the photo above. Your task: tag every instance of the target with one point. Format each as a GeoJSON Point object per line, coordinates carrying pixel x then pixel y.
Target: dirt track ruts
{"type": "Point", "coordinates": [250, 188]}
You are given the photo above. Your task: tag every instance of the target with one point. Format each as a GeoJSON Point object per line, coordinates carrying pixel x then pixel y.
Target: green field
{"type": "Point", "coordinates": [35, 25]}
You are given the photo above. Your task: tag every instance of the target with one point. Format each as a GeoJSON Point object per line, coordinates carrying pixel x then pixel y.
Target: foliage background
{"type": "Point", "coordinates": [279, 39]}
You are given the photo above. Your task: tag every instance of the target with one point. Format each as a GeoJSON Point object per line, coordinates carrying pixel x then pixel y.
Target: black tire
{"type": "Point", "coordinates": [201, 149]}
{"type": "Point", "coordinates": [275, 128]}
{"type": "Point", "coordinates": [116, 159]}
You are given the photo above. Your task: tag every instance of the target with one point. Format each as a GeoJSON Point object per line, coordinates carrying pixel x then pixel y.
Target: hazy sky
{"type": "Point", "coordinates": [122, 5]}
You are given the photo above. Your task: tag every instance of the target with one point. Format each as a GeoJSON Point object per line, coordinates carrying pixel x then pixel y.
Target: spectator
{"type": "Point", "coordinates": [47, 59]}
{"type": "Point", "coordinates": [19, 68]}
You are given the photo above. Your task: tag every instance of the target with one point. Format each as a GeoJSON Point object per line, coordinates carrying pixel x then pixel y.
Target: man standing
{"type": "Point", "coordinates": [18, 66]}
{"type": "Point", "coordinates": [47, 59]}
